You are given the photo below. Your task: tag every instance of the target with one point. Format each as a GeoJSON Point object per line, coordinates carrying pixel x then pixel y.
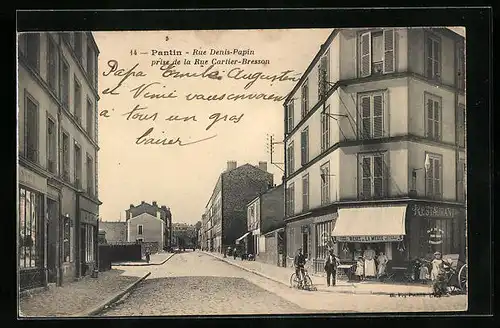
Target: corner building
{"type": "Point", "coordinates": [58, 155]}
{"type": "Point", "coordinates": [375, 146]}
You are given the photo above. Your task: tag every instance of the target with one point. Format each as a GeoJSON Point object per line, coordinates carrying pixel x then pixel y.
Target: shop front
{"type": "Point", "coordinates": [300, 234]}
{"type": "Point", "coordinates": [323, 226]}
{"type": "Point", "coordinates": [87, 235]}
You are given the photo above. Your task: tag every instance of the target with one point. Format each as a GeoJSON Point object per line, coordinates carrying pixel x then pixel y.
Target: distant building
{"type": "Point", "coordinates": [146, 228]}
{"type": "Point", "coordinates": [155, 212]}
{"type": "Point", "coordinates": [183, 234]}
{"type": "Point", "coordinates": [116, 231]}
{"type": "Point", "coordinates": [225, 217]}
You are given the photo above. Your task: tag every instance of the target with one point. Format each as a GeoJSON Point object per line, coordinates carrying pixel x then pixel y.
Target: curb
{"type": "Point", "coordinates": [146, 264]}
{"type": "Point", "coordinates": [326, 291]}
{"type": "Point", "coordinates": [95, 310]}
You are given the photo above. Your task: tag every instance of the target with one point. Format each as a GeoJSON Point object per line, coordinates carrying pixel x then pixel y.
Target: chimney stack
{"type": "Point", "coordinates": [263, 166]}
{"type": "Point", "coordinates": [143, 202]}
{"type": "Point", "coordinates": [131, 206]}
{"type": "Point", "coordinates": [154, 203]}
{"type": "Point", "coordinates": [231, 165]}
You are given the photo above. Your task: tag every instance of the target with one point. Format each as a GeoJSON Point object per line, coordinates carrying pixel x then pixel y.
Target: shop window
{"type": "Point", "coordinates": [67, 240]}
{"type": "Point", "coordinates": [438, 236]}
{"type": "Point", "coordinates": [30, 229]}
{"type": "Point", "coordinates": [323, 239]}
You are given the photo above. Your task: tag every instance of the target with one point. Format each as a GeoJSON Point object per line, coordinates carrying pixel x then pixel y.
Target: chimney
{"type": "Point", "coordinates": [231, 165]}
{"type": "Point", "coordinates": [154, 203]}
{"type": "Point", "coordinates": [143, 202]}
{"type": "Point", "coordinates": [263, 166]}
{"type": "Point", "coordinates": [131, 206]}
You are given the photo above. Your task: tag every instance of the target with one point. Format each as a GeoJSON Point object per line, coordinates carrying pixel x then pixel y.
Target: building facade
{"type": "Point", "coordinates": [225, 217]}
{"type": "Point", "coordinates": [147, 229]}
{"type": "Point", "coordinates": [367, 141]}
{"type": "Point", "coordinates": [161, 212]}
{"type": "Point", "coordinates": [58, 156]}
{"type": "Point", "coordinates": [116, 231]}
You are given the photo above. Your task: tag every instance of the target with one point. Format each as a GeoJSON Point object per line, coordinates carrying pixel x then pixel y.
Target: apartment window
{"type": "Point", "coordinates": [78, 101]}
{"type": "Point", "coordinates": [376, 52]}
{"type": "Point", "coordinates": [139, 229]}
{"type": "Point", "coordinates": [78, 166]}
{"type": "Point", "coordinates": [461, 67]}
{"type": "Point", "coordinates": [30, 229]}
{"type": "Point", "coordinates": [433, 179]}
{"type": "Point", "coordinates": [304, 146]}
{"type": "Point", "coordinates": [290, 199]}
{"type": "Point", "coordinates": [52, 64]}
{"type": "Point", "coordinates": [290, 159]}
{"type": "Point", "coordinates": [325, 129]}
{"type": "Point", "coordinates": [31, 137]}
{"type": "Point", "coordinates": [90, 64]}
{"type": "Point", "coordinates": [51, 145]}
{"type": "Point", "coordinates": [289, 116]}
{"type": "Point", "coordinates": [33, 50]}
{"type": "Point", "coordinates": [433, 116]}
{"type": "Point", "coordinates": [78, 45]}
{"type": "Point", "coordinates": [325, 183]}
{"type": "Point", "coordinates": [371, 115]}
{"type": "Point", "coordinates": [305, 192]}
{"type": "Point", "coordinates": [461, 115]}
{"type": "Point", "coordinates": [65, 83]}
{"type": "Point", "coordinates": [324, 75]}
{"type": "Point", "coordinates": [65, 157]}
{"type": "Point", "coordinates": [305, 98]}
{"type": "Point", "coordinates": [433, 57]}
{"type": "Point", "coordinates": [90, 175]}
{"type": "Point", "coordinates": [89, 119]}
{"type": "Point", "coordinates": [461, 172]}
{"type": "Point", "coordinates": [67, 240]}
{"type": "Point", "coordinates": [372, 176]}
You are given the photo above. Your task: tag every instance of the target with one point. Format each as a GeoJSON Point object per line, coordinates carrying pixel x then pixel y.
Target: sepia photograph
{"type": "Point", "coordinates": [241, 172]}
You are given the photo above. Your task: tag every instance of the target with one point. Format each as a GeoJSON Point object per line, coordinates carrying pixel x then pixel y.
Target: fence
{"type": "Point", "coordinates": [109, 253]}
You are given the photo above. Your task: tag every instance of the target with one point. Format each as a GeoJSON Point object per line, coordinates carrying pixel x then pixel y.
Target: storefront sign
{"type": "Point", "coordinates": [435, 236]}
{"type": "Point", "coordinates": [32, 180]}
{"type": "Point", "coordinates": [433, 211]}
{"type": "Point", "coordinates": [368, 239]}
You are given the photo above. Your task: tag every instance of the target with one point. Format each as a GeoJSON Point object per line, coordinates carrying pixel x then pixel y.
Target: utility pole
{"type": "Point", "coordinates": [270, 149]}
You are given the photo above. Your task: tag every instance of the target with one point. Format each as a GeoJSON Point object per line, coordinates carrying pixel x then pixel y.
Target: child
{"type": "Point", "coordinates": [360, 268]}
{"type": "Point", "coordinates": [436, 265]}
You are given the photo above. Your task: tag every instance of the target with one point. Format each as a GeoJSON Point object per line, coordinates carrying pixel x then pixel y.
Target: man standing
{"type": "Point", "coordinates": [299, 262]}
{"type": "Point", "coordinates": [331, 268]}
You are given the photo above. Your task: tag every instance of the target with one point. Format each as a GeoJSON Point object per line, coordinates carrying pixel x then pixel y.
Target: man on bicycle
{"type": "Point", "coordinates": [299, 262]}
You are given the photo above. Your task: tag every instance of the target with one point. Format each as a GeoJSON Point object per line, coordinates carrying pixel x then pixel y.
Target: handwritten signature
{"type": "Point", "coordinates": [144, 140]}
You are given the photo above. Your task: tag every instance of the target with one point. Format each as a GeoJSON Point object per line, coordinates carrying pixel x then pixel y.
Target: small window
{"type": "Point", "coordinates": [139, 229]}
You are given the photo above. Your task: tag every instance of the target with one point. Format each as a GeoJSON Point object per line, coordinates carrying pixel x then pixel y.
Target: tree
{"type": "Point", "coordinates": [198, 225]}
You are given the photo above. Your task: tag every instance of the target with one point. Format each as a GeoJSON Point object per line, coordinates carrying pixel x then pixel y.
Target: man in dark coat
{"type": "Point", "coordinates": [331, 268]}
{"type": "Point", "coordinates": [299, 262]}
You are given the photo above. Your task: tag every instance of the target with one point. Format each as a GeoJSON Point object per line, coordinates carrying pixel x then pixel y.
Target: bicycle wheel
{"type": "Point", "coordinates": [462, 278]}
{"type": "Point", "coordinates": [308, 284]}
{"type": "Point", "coordinates": [294, 281]}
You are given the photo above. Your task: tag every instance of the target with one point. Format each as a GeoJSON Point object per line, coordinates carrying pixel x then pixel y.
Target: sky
{"type": "Point", "coordinates": [183, 177]}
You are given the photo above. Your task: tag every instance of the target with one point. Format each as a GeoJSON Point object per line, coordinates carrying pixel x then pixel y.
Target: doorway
{"type": "Point", "coordinates": [83, 251]}
{"type": "Point", "coordinates": [53, 241]}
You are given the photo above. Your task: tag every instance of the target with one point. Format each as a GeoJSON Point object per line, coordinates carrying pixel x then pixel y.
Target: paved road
{"type": "Point", "coordinates": [193, 283]}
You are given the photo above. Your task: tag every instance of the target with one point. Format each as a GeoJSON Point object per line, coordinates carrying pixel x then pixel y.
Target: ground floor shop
{"type": "Point", "coordinates": [87, 235]}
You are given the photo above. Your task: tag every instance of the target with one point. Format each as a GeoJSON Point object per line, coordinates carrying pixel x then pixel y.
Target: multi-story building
{"type": "Point", "coordinates": [184, 235]}
{"type": "Point", "coordinates": [58, 147]}
{"type": "Point", "coordinates": [225, 212]}
{"type": "Point", "coordinates": [375, 146]}
{"type": "Point", "coordinates": [161, 212]}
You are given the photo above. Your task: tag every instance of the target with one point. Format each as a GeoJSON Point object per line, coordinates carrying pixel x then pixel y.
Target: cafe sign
{"type": "Point", "coordinates": [435, 236]}
{"type": "Point", "coordinates": [433, 211]}
{"type": "Point", "coordinates": [369, 239]}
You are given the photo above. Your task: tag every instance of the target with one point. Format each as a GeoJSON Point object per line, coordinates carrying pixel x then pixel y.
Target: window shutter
{"type": "Point", "coordinates": [365, 47]}
{"type": "Point", "coordinates": [366, 177]}
{"type": "Point", "coordinates": [437, 58]}
{"type": "Point", "coordinates": [430, 116]}
{"type": "Point", "coordinates": [437, 120]}
{"type": "Point", "coordinates": [378, 176]}
{"type": "Point", "coordinates": [437, 177]}
{"type": "Point", "coordinates": [389, 47]}
{"type": "Point", "coordinates": [303, 146]}
{"type": "Point", "coordinates": [429, 177]}
{"type": "Point", "coordinates": [378, 110]}
{"type": "Point", "coordinates": [365, 113]}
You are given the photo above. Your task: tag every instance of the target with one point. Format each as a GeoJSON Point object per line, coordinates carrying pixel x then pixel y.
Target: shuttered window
{"type": "Point", "coordinates": [289, 116]}
{"type": "Point", "coordinates": [373, 176]}
{"type": "Point", "coordinates": [433, 116]}
{"type": "Point", "coordinates": [325, 183]}
{"type": "Point", "coordinates": [290, 165]}
{"type": "Point", "coordinates": [324, 75]}
{"type": "Point", "coordinates": [371, 115]}
{"type": "Point", "coordinates": [433, 181]}
{"type": "Point", "coordinates": [433, 57]}
{"type": "Point", "coordinates": [52, 64]}
{"type": "Point", "coordinates": [461, 67]}
{"type": "Point", "coordinates": [304, 146]}
{"type": "Point", "coordinates": [305, 192]}
{"type": "Point", "coordinates": [305, 98]}
{"type": "Point", "coordinates": [461, 125]}
{"type": "Point", "coordinates": [325, 129]}
{"type": "Point", "coordinates": [461, 171]}
{"type": "Point", "coordinates": [377, 52]}
{"type": "Point", "coordinates": [31, 129]}
{"type": "Point", "coordinates": [290, 199]}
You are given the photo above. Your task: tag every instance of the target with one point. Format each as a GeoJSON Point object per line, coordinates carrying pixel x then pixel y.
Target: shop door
{"type": "Point", "coordinates": [83, 251]}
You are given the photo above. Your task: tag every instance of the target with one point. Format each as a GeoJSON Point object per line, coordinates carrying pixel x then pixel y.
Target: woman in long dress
{"type": "Point", "coordinates": [382, 264]}
{"type": "Point", "coordinates": [369, 257]}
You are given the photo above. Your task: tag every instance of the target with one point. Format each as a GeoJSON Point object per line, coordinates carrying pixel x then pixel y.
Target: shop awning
{"type": "Point", "coordinates": [370, 224]}
{"type": "Point", "coordinates": [239, 239]}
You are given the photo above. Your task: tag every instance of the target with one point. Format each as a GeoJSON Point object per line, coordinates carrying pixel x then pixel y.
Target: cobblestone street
{"type": "Point", "coordinates": [194, 283]}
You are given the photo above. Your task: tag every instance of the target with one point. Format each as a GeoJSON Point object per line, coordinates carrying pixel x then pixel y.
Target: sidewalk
{"type": "Point", "coordinates": [78, 297]}
{"type": "Point", "coordinates": [156, 259]}
{"type": "Point", "coordinates": [282, 275]}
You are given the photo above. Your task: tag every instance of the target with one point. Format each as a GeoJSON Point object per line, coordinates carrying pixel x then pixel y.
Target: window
{"type": "Point", "coordinates": [33, 50]}
{"type": "Point", "coordinates": [325, 129]}
{"type": "Point", "coordinates": [461, 115]}
{"type": "Point", "coordinates": [325, 183]}
{"type": "Point", "coordinates": [461, 172]}
{"type": "Point", "coordinates": [31, 137]}
{"type": "Point", "coordinates": [78, 101]}
{"type": "Point", "coordinates": [89, 118]}
{"type": "Point", "coordinates": [139, 229]}
{"type": "Point", "coordinates": [372, 176]}
{"type": "Point", "coordinates": [433, 177]}
{"type": "Point", "coordinates": [51, 146]}
{"type": "Point", "coordinates": [78, 166]}
{"type": "Point", "coordinates": [65, 83]}
{"type": "Point", "coordinates": [290, 159]}
{"type": "Point", "coordinates": [433, 119]}
{"type": "Point", "coordinates": [78, 46]}
{"type": "Point", "coordinates": [289, 116]}
{"type": "Point", "coordinates": [371, 110]}
{"type": "Point", "coordinates": [305, 192]}
{"type": "Point", "coordinates": [89, 241]}
{"type": "Point", "coordinates": [324, 75]}
{"type": "Point", "coordinates": [52, 64]}
{"type": "Point", "coordinates": [65, 157]}
{"type": "Point", "coordinates": [376, 52]}
{"type": "Point", "coordinates": [433, 57]}
{"type": "Point", "coordinates": [304, 146]}
{"type": "Point", "coordinates": [461, 67]}
{"type": "Point", "coordinates": [30, 229]}
{"type": "Point", "coordinates": [90, 176]}
{"type": "Point", "coordinates": [67, 240]}
{"type": "Point", "coordinates": [323, 240]}
{"type": "Point", "coordinates": [290, 199]}
{"type": "Point", "coordinates": [90, 64]}
{"type": "Point", "coordinates": [305, 98]}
